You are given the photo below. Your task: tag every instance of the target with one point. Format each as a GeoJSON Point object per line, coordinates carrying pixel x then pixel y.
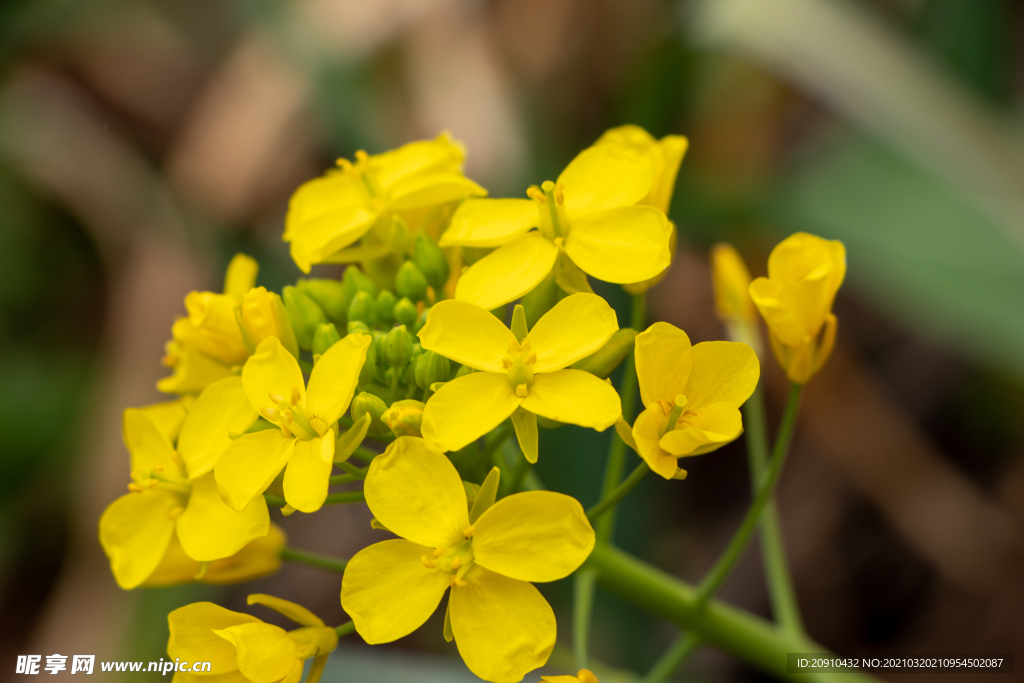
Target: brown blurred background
{"type": "Point", "coordinates": [143, 143]}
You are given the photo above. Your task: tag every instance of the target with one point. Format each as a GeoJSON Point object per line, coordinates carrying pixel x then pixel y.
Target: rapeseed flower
{"type": "Point", "coordinates": [137, 529]}
{"type": "Point", "coordinates": [665, 156]}
{"type": "Point", "coordinates": [332, 212]}
{"type": "Point", "coordinates": [795, 300]}
{"type": "Point", "coordinates": [241, 648]}
{"type": "Point", "coordinates": [259, 557]}
{"type": "Point", "coordinates": [733, 305]}
{"type": "Point", "coordinates": [691, 394]}
{"type": "Point", "coordinates": [520, 375]}
{"type": "Point", "coordinates": [501, 624]}
{"type": "Point", "coordinates": [303, 436]}
{"type": "Point", "coordinates": [587, 222]}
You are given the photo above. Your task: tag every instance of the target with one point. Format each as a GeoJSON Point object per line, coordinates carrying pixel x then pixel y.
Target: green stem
{"type": "Point", "coordinates": [492, 450]}
{"type": "Point", "coordinates": [343, 479]}
{"type": "Point", "coordinates": [365, 454]}
{"type": "Point", "coordinates": [604, 528]}
{"type": "Point", "coordinates": [720, 571]}
{"type": "Point", "coordinates": [276, 501]}
{"type": "Point", "coordinates": [670, 660]}
{"type": "Point", "coordinates": [346, 497]}
{"type": "Point", "coordinates": [619, 493]}
{"type": "Point", "coordinates": [357, 472]}
{"type": "Point", "coordinates": [776, 568]}
{"type": "Point", "coordinates": [345, 629]}
{"type": "Point", "coordinates": [331, 564]}
{"type": "Point", "coordinates": [740, 633]}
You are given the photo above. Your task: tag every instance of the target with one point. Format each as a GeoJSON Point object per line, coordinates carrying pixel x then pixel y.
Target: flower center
{"type": "Point", "coordinates": [455, 559]}
{"type": "Point", "coordinates": [518, 364]}
{"type": "Point", "coordinates": [677, 417]}
{"type": "Point", "coordinates": [294, 419]}
{"type": "Point", "coordinates": [363, 170]}
{"type": "Point", "coordinates": [146, 480]}
{"type": "Point", "coordinates": [550, 200]}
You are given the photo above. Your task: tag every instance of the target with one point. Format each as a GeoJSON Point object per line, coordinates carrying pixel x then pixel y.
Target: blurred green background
{"type": "Point", "coordinates": [143, 143]}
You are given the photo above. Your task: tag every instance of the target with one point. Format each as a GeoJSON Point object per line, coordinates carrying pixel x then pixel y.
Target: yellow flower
{"type": "Point", "coordinates": [692, 395]}
{"type": "Point", "coordinates": [304, 438]}
{"type": "Point", "coordinates": [242, 648]}
{"type": "Point", "coordinates": [519, 377]}
{"type": "Point", "coordinates": [588, 219]}
{"type": "Point", "coordinates": [502, 625]}
{"type": "Point", "coordinates": [260, 557]}
{"type": "Point", "coordinates": [804, 274]}
{"type": "Point", "coordinates": [584, 676]}
{"type": "Point", "coordinates": [137, 529]}
{"type": "Point", "coordinates": [261, 315]}
{"type": "Point", "coordinates": [733, 305]}
{"type": "Point", "coordinates": [332, 212]}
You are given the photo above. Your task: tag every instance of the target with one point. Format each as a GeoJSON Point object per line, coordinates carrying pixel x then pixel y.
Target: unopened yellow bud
{"type": "Point", "coordinates": [404, 417]}
{"type": "Point", "coordinates": [262, 315]}
{"type": "Point", "coordinates": [731, 283]}
{"type": "Point", "coordinates": [240, 276]}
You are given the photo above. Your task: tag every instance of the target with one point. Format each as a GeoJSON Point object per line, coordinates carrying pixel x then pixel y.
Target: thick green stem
{"type": "Point", "coordinates": [720, 571]}
{"type": "Point", "coordinates": [343, 479]}
{"type": "Point", "coordinates": [358, 472]}
{"type": "Point", "coordinates": [605, 526]}
{"type": "Point", "coordinates": [670, 660]}
{"type": "Point", "coordinates": [365, 454]}
{"type": "Point", "coordinates": [345, 629]}
{"type": "Point", "coordinates": [331, 564]}
{"type": "Point", "coordinates": [740, 633]}
{"type": "Point", "coordinates": [619, 493]}
{"type": "Point", "coordinates": [346, 497]}
{"type": "Point", "coordinates": [776, 568]}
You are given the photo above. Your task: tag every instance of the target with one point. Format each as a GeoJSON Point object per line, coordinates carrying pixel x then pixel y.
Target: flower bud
{"type": "Point", "coordinates": [325, 337]}
{"type": "Point", "coordinates": [405, 313]}
{"type": "Point", "coordinates": [404, 417]}
{"type": "Point", "coordinates": [330, 295]}
{"type": "Point", "coordinates": [398, 346]}
{"type": "Point", "coordinates": [421, 321]}
{"type": "Point", "coordinates": [463, 371]}
{"type": "Point", "coordinates": [305, 315]}
{"type": "Point", "coordinates": [362, 308]}
{"type": "Point", "coordinates": [410, 282]}
{"type": "Point", "coordinates": [384, 308]}
{"type": "Point", "coordinates": [263, 314]}
{"type": "Point", "coordinates": [357, 326]}
{"type": "Point", "coordinates": [731, 281]}
{"type": "Point", "coordinates": [431, 367]}
{"type": "Point", "coordinates": [603, 361]}
{"type": "Point", "coordinates": [240, 276]}
{"type": "Point", "coordinates": [400, 239]}
{"type": "Point", "coordinates": [368, 404]}
{"type": "Point", "coordinates": [429, 258]}
{"type": "Point", "coordinates": [355, 281]}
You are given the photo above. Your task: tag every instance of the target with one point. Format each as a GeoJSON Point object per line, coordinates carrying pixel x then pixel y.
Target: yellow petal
{"type": "Point", "coordinates": [211, 327]}
{"type": "Point", "coordinates": [149, 447]}
{"type": "Point", "coordinates": [663, 362]}
{"type": "Point", "coordinates": [507, 273]}
{"type": "Point", "coordinates": [168, 416]}
{"type": "Point", "coordinates": [388, 591]}
{"type": "Point", "coordinates": [647, 434]}
{"type": "Point", "coordinates": [604, 177]}
{"type": "Point", "coordinates": [415, 491]}
{"type": "Point", "coordinates": [731, 281]}
{"type": "Point", "coordinates": [533, 536]}
{"type": "Point", "coordinates": [432, 190]}
{"type": "Point", "coordinates": [504, 628]}
{"type": "Point", "coordinates": [490, 222]}
{"type": "Point", "coordinates": [135, 531]}
{"type": "Point", "coordinates": [249, 465]}
{"type": "Point", "coordinates": [240, 276]}
{"type": "Point", "coordinates": [193, 639]}
{"type": "Point", "coordinates": [193, 371]}
{"type": "Point", "coordinates": [417, 157]}
{"type": "Point", "coordinates": [210, 530]}
{"type": "Point", "coordinates": [221, 410]}
{"type": "Point", "coordinates": [272, 371]}
{"type": "Point", "coordinates": [294, 611]}
{"type": "Point", "coordinates": [574, 328]}
{"type": "Point", "coordinates": [722, 372]}
{"type": "Point", "coordinates": [325, 215]}
{"type": "Point", "coordinates": [264, 652]}
{"type": "Point", "coordinates": [672, 149]}
{"type": "Point", "coordinates": [334, 377]}
{"type": "Point", "coordinates": [714, 426]}
{"type": "Point", "coordinates": [260, 557]}
{"type": "Point", "coordinates": [575, 397]}
{"type": "Point", "coordinates": [467, 408]}
{"type": "Point", "coordinates": [466, 334]}
{"type": "Point", "coordinates": [331, 192]}
{"type": "Point", "coordinates": [627, 244]}
{"type": "Point", "coordinates": [308, 472]}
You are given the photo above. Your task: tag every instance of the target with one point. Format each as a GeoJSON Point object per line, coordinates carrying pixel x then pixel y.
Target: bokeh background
{"type": "Point", "coordinates": [144, 142]}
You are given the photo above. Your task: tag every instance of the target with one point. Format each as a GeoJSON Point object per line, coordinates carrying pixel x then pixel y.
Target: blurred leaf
{"type": "Point", "coordinates": [915, 248]}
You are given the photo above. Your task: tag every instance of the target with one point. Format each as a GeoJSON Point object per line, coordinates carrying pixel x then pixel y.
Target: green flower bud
{"type": "Point", "coordinates": [405, 313]}
{"type": "Point", "coordinates": [400, 239]}
{"type": "Point", "coordinates": [326, 336]}
{"type": "Point", "coordinates": [380, 346]}
{"type": "Point", "coordinates": [304, 314]}
{"type": "Point", "coordinates": [463, 371]}
{"type": "Point", "coordinates": [410, 282]}
{"type": "Point", "coordinates": [429, 258]}
{"type": "Point", "coordinates": [369, 369]}
{"type": "Point", "coordinates": [398, 346]}
{"type": "Point", "coordinates": [357, 326]}
{"type": "Point", "coordinates": [330, 295]}
{"type": "Point", "coordinates": [368, 404]}
{"type": "Point", "coordinates": [431, 367]}
{"type": "Point", "coordinates": [603, 361]}
{"type": "Point", "coordinates": [409, 373]}
{"type": "Point", "coordinates": [421, 321]}
{"type": "Point", "coordinates": [362, 308]}
{"type": "Point", "coordinates": [404, 417]}
{"type": "Point", "coordinates": [385, 308]}
{"type": "Point", "coordinates": [355, 281]}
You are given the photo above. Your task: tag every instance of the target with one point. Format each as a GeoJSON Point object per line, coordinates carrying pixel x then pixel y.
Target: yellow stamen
{"type": "Point", "coordinates": [468, 531]}
{"type": "Point", "coordinates": [296, 396]}
{"type": "Point", "coordinates": [176, 512]}
{"type": "Point", "coordinates": [522, 391]}
{"type": "Point", "coordinates": [319, 425]}
{"type": "Point", "coordinates": [276, 398]}
{"type": "Point", "coordinates": [533, 192]}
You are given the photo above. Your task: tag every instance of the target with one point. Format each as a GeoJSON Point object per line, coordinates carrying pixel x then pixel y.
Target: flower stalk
{"type": "Point", "coordinates": [330, 564]}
